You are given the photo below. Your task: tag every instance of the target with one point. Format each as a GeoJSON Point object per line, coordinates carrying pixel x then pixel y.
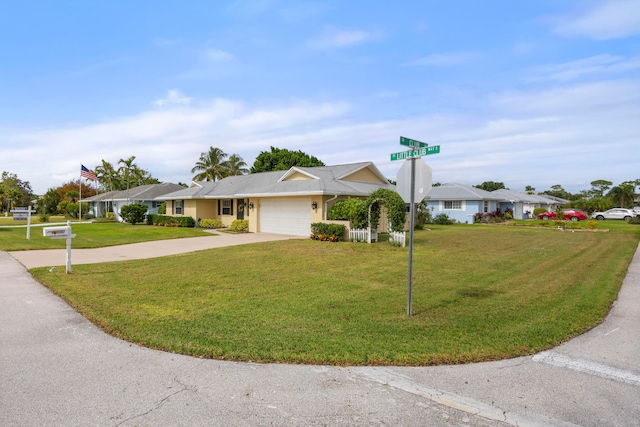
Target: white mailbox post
{"type": "Point", "coordinates": [61, 233]}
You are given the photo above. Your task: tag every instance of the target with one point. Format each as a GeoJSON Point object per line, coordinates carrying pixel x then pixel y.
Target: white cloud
{"type": "Point", "coordinates": [610, 19]}
{"type": "Point", "coordinates": [567, 134]}
{"type": "Point", "coordinates": [333, 38]}
{"type": "Point", "coordinates": [447, 59]}
{"type": "Point", "coordinates": [174, 97]}
{"type": "Point", "coordinates": [218, 55]}
{"type": "Point", "coordinates": [594, 65]}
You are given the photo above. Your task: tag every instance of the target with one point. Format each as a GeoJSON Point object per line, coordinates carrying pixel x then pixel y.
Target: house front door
{"type": "Point", "coordinates": [240, 210]}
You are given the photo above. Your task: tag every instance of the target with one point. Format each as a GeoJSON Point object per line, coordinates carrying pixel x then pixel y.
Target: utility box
{"type": "Point", "coordinates": [56, 231]}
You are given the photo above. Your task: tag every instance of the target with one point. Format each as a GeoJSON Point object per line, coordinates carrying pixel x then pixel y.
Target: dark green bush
{"type": "Point", "coordinates": [634, 220]}
{"type": "Point", "coordinates": [538, 211]}
{"type": "Point", "coordinates": [134, 213]}
{"type": "Point", "coordinates": [443, 219]}
{"type": "Point", "coordinates": [324, 231]}
{"type": "Point", "coordinates": [171, 221]}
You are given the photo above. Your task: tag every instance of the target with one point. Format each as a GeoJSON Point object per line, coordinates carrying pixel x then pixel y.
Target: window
{"type": "Point", "coordinates": [453, 204]}
{"type": "Point", "coordinates": [227, 207]}
{"type": "Point", "coordinates": [486, 206]}
{"type": "Point", "coordinates": [156, 204]}
{"type": "Point", "coordinates": [178, 205]}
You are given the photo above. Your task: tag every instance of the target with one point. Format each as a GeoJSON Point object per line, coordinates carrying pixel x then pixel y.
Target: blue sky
{"type": "Point", "coordinates": [528, 93]}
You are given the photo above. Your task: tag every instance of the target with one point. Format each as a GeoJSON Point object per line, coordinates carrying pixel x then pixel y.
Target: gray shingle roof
{"type": "Point", "coordinates": [520, 196]}
{"type": "Point", "coordinates": [143, 192]}
{"type": "Point", "coordinates": [455, 191]}
{"type": "Point", "coordinates": [323, 180]}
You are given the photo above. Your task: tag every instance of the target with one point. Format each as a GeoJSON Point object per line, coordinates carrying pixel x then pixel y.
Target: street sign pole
{"type": "Point", "coordinates": [411, 227]}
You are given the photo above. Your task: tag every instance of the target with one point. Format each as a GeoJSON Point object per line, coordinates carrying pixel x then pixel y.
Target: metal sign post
{"type": "Point", "coordinates": [407, 191]}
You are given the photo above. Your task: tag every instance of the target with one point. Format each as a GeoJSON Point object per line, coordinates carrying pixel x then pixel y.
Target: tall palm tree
{"type": "Point", "coordinates": [235, 166]}
{"type": "Point", "coordinates": [125, 169]}
{"type": "Point", "coordinates": [622, 195]}
{"type": "Point", "coordinates": [211, 165]}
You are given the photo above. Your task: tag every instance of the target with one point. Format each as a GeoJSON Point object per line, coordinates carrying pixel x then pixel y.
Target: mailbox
{"type": "Point", "coordinates": [56, 231]}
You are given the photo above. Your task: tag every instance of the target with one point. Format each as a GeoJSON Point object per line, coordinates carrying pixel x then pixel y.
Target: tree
{"type": "Point", "coordinates": [622, 195]}
{"type": "Point", "coordinates": [491, 186]}
{"type": "Point", "coordinates": [211, 165]}
{"type": "Point", "coordinates": [106, 175]}
{"type": "Point", "coordinates": [134, 213]}
{"type": "Point", "coordinates": [14, 191]}
{"type": "Point", "coordinates": [598, 187]}
{"type": "Point", "coordinates": [48, 203]}
{"type": "Point", "coordinates": [530, 190]}
{"type": "Point", "coordinates": [235, 166]}
{"type": "Point", "coordinates": [283, 159]}
{"type": "Point", "coordinates": [126, 168]}
{"type": "Point", "coordinates": [557, 191]}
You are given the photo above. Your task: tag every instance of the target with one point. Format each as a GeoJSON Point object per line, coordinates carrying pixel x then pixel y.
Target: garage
{"type": "Point", "coordinates": [285, 216]}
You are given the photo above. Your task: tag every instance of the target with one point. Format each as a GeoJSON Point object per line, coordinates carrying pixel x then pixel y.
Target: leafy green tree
{"type": "Point", "coordinates": [134, 213]}
{"type": "Point", "coordinates": [283, 159]}
{"type": "Point", "coordinates": [211, 165]}
{"type": "Point", "coordinates": [599, 187]}
{"type": "Point", "coordinates": [14, 191]}
{"type": "Point", "coordinates": [491, 186]}
{"type": "Point", "coordinates": [126, 169]}
{"type": "Point", "coordinates": [72, 195]}
{"type": "Point", "coordinates": [557, 191]}
{"type": "Point", "coordinates": [530, 190]}
{"type": "Point", "coordinates": [48, 203]}
{"type": "Point", "coordinates": [351, 209]}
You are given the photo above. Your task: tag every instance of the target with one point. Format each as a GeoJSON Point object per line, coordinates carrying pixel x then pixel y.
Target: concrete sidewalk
{"type": "Point", "coordinates": [58, 369]}
{"type": "Point", "coordinates": [157, 248]}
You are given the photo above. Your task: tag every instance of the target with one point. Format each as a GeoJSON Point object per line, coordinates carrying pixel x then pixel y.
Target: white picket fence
{"type": "Point", "coordinates": [363, 235]}
{"type": "Point", "coordinates": [399, 237]}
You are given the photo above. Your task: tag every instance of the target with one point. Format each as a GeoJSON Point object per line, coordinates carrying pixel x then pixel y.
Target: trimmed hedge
{"type": "Point", "coordinates": [240, 225]}
{"type": "Point", "coordinates": [211, 223]}
{"type": "Point", "coordinates": [171, 221]}
{"type": "Point", "coordinates": [327, 232]}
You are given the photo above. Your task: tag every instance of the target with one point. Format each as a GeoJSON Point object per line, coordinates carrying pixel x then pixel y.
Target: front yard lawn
{"type": "Point", "coordinates": [92, 235]}
{"type": "Point", "coordinates": [479, 293]}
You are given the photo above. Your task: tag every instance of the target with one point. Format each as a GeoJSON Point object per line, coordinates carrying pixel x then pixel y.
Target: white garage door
{"type": "Point", "coordinates": [292, 217]}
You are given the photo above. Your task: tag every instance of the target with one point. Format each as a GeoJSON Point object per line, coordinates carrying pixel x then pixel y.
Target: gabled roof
{"type": "Point", "coordinates": [143, 192]}
{"type": "Point", "coordinates": [331, 180]}
{"type": "Point", "coordinates": [519, 196]}
{"type": "Point", "coordinates": [455, 191]}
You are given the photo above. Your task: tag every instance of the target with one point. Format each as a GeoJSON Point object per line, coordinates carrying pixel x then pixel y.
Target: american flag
{"type": "Point", "coordinates": [86, 173]}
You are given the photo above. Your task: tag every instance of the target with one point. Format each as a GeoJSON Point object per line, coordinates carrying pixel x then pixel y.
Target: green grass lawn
{"type": "Point", "coordinates": [479, 293]}
{"type": "Point", "coordinates": [92, 235]}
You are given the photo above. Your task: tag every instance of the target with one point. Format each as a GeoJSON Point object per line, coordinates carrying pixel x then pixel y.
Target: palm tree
{"type": "Point", "coordinates": [126, 170]}
{"type": "Point", "coordinates": [622, 195]}
{"type": "Point", "coordinates": [211, 165]}
{"type": "Point", "coordinates": [235, 166]}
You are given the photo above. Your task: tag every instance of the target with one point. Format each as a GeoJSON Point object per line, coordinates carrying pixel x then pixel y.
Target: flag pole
{"type": "Point", "coordinates": [80, 201]}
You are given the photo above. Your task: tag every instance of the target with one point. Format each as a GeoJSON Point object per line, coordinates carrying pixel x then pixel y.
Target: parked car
{"type": "Point", "coordinates": [615, 213]}
{"type": "Point", "coordinates": [569, 214]}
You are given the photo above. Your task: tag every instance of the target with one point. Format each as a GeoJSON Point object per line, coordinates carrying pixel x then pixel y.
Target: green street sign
{"type": "Point", "coordinates": [425, 151]}
{"type": "Point", "coordinates": [412, 143]}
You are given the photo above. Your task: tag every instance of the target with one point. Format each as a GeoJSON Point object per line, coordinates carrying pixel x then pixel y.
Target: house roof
{"type": "Point", "coordinates": [333, 180]}
{"type": "Point", "coordinates": [143, 192]}
{"type": "Point", "coordinates": [524, 197]}
{"type": "Point", "coordinates": [455, 191]}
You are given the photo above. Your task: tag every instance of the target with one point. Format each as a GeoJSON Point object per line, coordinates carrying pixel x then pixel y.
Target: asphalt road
{"type": "Point", "coordinates": [58, 369]}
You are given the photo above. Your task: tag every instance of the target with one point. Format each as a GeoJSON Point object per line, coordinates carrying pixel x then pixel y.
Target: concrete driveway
{"type": "Point", "coordinates": [58, 369]}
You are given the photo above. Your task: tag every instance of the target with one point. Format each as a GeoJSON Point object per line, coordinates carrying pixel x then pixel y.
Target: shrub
{"type": "Point", "coordinates": [211, 223]}
{"type": "Point", "coordinates": [573, 225]}
{"type": "Point", "coordinates": [592, 224]}
{"type": "Point", "coordinates": [240, 225]}
{"type": "Point", "coordinates": [44, 217]}
{"type": "Point", "coordinates": [443, 219]}
{"type": "Point", "coordinates": [327, 232]}
{"type": "Point", "coordinates": [162, 209]}
{"type": "Point", "coordinates": [538, 211]}
{"type": "Point", "coordinates": [134, 213]}
{"type": "Point", "coordinates": [634, 220]}
{"type": "Point", "coordinates": [110, 216]}
{"type": "Point", "coordinates": [171, 221]}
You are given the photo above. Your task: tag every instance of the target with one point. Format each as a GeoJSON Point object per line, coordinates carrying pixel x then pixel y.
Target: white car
{"type": "Point", "coordinates": [615, 213]}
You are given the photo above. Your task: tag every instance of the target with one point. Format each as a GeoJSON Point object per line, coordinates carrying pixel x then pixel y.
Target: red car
{"type": "Point", "coordinates": [569, 214]}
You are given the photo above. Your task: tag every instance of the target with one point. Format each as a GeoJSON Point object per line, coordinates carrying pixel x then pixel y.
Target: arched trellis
{"type": "Point", "coordinates": [396, 208]}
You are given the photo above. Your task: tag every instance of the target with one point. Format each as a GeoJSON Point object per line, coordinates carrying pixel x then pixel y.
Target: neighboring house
{"type": "Point", "coordinates": [113, 201]}
{"type": "Point", "coordinates": [281, 202]}
{"type": "Point", "coordinates": [521, 202]}
{"type": "Point", "coordinates": [461, 202]}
